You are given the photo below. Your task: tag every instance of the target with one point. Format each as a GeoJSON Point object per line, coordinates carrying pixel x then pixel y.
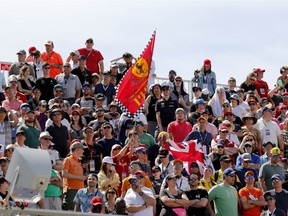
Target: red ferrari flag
{"type": "Point", "coordinates": [132, 88]}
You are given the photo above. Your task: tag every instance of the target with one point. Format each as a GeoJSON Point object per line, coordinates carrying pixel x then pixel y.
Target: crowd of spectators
{"type": "Point", "coordinates": [105, 161]}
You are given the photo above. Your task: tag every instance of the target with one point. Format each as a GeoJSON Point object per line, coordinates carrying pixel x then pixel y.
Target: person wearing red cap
{"type": "Point", "coordinates": [96, 205]}
{"type": "Point", "coordinates": [30, 57]}
{"type": "Point", "coordinates": [261, 86]}
{"type": "Point", "coordinates": [251, 198]}
{"type": "Point", "coordinates": [230, 148]}
{"type": "Point", "coordinates": [280, 106]}
{"type": "Point", "coordinates": [207, 78]}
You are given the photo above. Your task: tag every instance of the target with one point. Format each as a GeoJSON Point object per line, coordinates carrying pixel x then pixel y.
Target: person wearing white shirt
{"type": "Point", "coordinates": [269, 130]}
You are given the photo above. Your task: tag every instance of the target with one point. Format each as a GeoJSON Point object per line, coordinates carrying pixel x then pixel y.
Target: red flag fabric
{"type": "Point", "coordinates": [190, 151]}
{"type": "Point", "coordinates": [131, 91]}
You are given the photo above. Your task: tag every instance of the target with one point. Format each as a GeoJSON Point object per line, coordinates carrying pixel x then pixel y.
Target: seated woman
{"type": "Point", "coordinates": [173, 201]}
{"type": "Point", "coordinates": [107, 177]}
{"type": "Point", "coordinates": [110, 197]}
{"type": "Point", "coordinates": [76, 126]}
{"type": "Point", "coordinates": [25, 84]}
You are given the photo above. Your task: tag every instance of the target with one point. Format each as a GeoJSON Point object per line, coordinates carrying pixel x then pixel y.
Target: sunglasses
{"type": "Point", "coordinates": [133, 181]}
{"type": "Point", "coordinates": [86, 88]}
{"type": "Point", "coordinates": [58, 91]}
{"type": "Point", "coordinates": [220, 90]}
{"type": "Point", "coordinates": [269, 199]}
{"type": "Point", "coordinates": [252, 104]}
{"type": "Point", "coordinates": [139, 176]}
{"type": "Point", "coordinates": [247, 146]}
{"type": "Point", "coordinates": [232, 80]}
{"type": "Point", "coordinates": [177, 165]}
{"type": "Point", "coordinates": [99, 111]}
{"type": "Point", "coordinates": [46, 138]}
{"type": "Point", "coordinates": [10, 150]}
{"type": "Point", "coordinates": [25, 108]}
{"type": "Point", "coordinates": [249, 177]}
{"type": "Point", "coordinates": [106, 127]}
{"type": "Point", "coordinates": [227, 161]}
{"type": "Point", "coordinates": [193, 179]}
{"type": "Point", "coordinates": [275, 180]}
{"type": "Point", "coordinates": [132, 134]}
{"type": "Point", "coordinates": [224, 131]}
{"type": "Point", "coordinates": [89, 41]}
{"type": "Point", "coordinates": [88, 131]}
{"type": "Point", "coordinates": [247, 161]}
{"type": "Point", "coordinates": [76, 114]}
{"type": "Point", "coordinates": [66, 66]}
{"type": "Point", "coordinates": [178, 80]}
{"type": "Point", "coordinates": [133, 166]}
{"type": "Point", "coordinates": [229, 115]}
{"type": "Point", "coordinates": [111, 192]}
{"type": "Point", "coordinates": [171, 179]}
{"type": "Point", "coordinates": [276, 156]}
{"type": "Point", "coordinates": [250, 140]}
{"type": "Point", "coordinates": [220, 147]}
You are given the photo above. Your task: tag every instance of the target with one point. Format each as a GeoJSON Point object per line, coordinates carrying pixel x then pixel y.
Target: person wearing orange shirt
{"type": "Point", "coordinates": [251, 198]}
{"type": "Point", "coordinates": [73, 177]}
{"type": "Point", "coordinates": [54, 59]}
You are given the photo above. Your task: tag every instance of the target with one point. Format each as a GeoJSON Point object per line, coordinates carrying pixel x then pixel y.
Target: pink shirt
{"type": "Point", "coordinates": [179, 130]}
{"type": "Point", "coordinates": [14, 104]}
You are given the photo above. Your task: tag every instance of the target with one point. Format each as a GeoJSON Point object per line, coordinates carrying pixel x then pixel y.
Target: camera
{"type": "Point", "coordinates": [36, 53]}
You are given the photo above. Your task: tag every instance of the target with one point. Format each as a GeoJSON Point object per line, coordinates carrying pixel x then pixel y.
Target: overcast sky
{"type": "Point", "coordinates": [236, 35]}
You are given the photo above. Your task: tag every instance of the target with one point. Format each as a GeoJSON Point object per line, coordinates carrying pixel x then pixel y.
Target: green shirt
{"type": "Point", "coordinates": [145, 139]}
{"type": "Point", "coordinates": [32, 135]}
{"type": "Point", "coordinates": [53, 190]}
{"type": "Point", "coordinates": [267, 170]}
{"type": "Point", "coordinates": [225, 200]}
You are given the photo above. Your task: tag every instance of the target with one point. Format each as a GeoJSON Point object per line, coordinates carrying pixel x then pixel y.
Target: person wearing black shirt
{"type": "Point", "coordinates": [198, 198]}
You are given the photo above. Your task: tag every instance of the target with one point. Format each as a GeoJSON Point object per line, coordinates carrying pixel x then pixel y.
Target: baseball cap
{"type": "Point", "coordinates": [229, 171]}
{"type": "Point", "coordinates": [45, 134]}
{"type": "Point", "coordinates": [76, 52]}
{"type": "Point", "coordinates": [207, 62]}
{"type": "Point", "coordinates": [165, 87]}
{"type": "Point", "coordinates": [267, 108]}
{"type": "Point", "coordinates": [178, 161]}
{"type": "Point", "coordinates": [276, 176]}
{"type": "Point", "coordinates": [97, 200]}
{"type": "Point", "coordinates": [21, 52]}
{"type": "Point", "coordinates": [249, 173]}
{"type": "Point", "coordinates": [225, 158]}
{"type": "Point", "coordinates": [57, 86]}
{"type": "Point", "coordinates": [20, 132]}
{"type": "Point", "coordinates": [163, 153]}
{"type": "Point", "coordinates": [179, 109]}
{"type": "Point", "coordinates": [223, 128]}
{"type": "Point", "coordinates": [50, 43]}
{"type": "Point", "coordinates": [267, 143]}
{"type": "Point", "coordinates": [77, 145]}
{"type": "Point", "coordinates": [172, 72]}
{"type": "Point", "coordinates": [12, 78]}
{"type": "Point", "coordinates": [258, 70]}
{"type": "Point", "coordinates": [108, 160]}
{"type": "Point", "coordinates": [81, 58]}
{"type": "Point", "coordinates": [140, 149]}
{"type": "Point", "coordinates": [170, 176]}
{"type": "Point", "coordinates": [269, 193]}
{"type": "Point", "coordinates": [42, 103]}
{"type": "Point", "coordinates": [246, 157]}
{"type": "Point", "coordinates": [25, 105]}
{"type": "Point", "coordinates": [99, 96]}
{"type": "Point", "coordinates": [199, 101]}
{"type": "Point", "coordinates": [275, 151]}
